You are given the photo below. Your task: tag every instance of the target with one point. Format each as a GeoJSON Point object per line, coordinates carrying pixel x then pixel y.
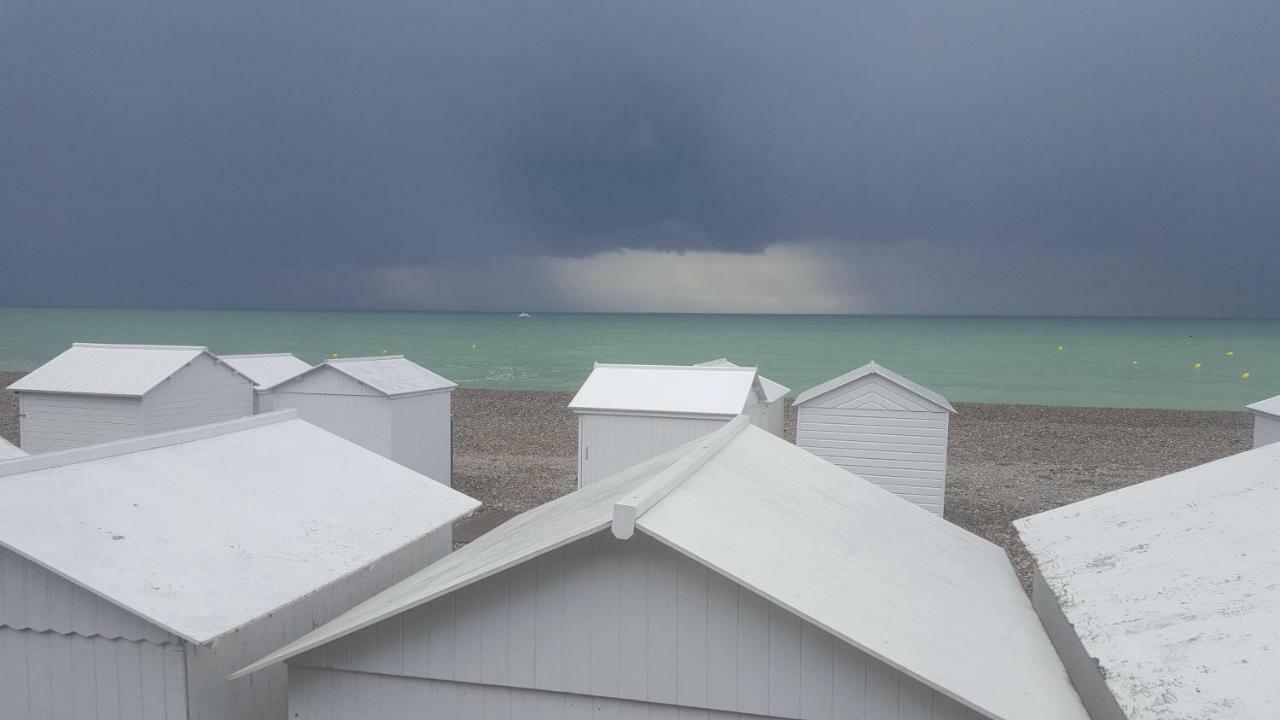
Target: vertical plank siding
{"type": "Point", "coordinates": [1266, 430]}
{"type": "Point", "coordinates": [613, 628]}
{"type": "Point", "coordinates": [53, 421]}
{"type": "Point", "coordinates": [878, 431]}
{"type": "Point", "coordinates": [206, 391]}
{"type": "Point", "coordinates": [610, 443]}
{"type": "Point", "coordinates": [422, 434]}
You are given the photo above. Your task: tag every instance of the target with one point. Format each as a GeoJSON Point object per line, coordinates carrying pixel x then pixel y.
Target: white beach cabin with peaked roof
{"type": "Point", "coordinates": [134, 576]}
{"type": "Point", "coordinates": [774, 412]}
{"type": "Point", "coordinates": [1266, 421]}
{"type": "Point", "coordinates": [881, 427]}
{"type": "Point", "coordinates": [630, 413]}
{"type": "Point", "coordinates": [1162, 597]}
{"type": "Point", "coordinates": [94, 393]}
{"type": "Point", "coordinates": [265, 371]}
{"type": "Point", "coordinates": [389, 404]}
{"type": "Point", "coordinates": [9, 451]}
{"type": "Point", "coordinates": [734, 577]}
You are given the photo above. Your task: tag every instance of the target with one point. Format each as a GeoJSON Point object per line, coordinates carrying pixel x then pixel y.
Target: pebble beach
{"type": "Point", "coordinates": [515, 449]}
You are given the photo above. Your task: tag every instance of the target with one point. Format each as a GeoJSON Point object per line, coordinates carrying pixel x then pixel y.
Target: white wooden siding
{"type": "Point", "coordinates": [422, 434]}
{"type": "Point", "coordinates": [775, 417]}
{"type": "Point", "coordinates": [611, 626]}
{"type": "Point", "coordinates": [882, 433]}
{"type": "Point", "coordinates": [56, 676]}
{"type": "Point", "coordinates": [363, 419]}
{"type": "Point", "coordinates": [42, 618]}
{"type": "Point", "coordinates": [54, 421]}
{"type": "Point", "coordinates": [610, 443]}
{"type": "Point", "coordinates": [201, 393]}
{"type": "Point", "coordinates": [1266, 430]}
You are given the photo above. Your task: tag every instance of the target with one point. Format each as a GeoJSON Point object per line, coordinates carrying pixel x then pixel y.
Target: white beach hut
{"type": "Point", "coordinates": [8, 451]}
{"type": "Point", "coordinates": [630, 413]}
{"type": "Point", "coordinates": [1266, 421]}
{"type": "Point", "coordinates": [774, 412]}
{"type": "Point", "coordinates": [734, 577]}
{"type": "Point", "coordinates": [389, 404]}
{"type": "Point", "coordinates": [265, 371]}
{"type": "Point", "coordinates": [134, 576]}
{"type": "Point", "coordinates": [98, 393]}
{"type": "Point", "coordinates": [881, 427]}
{"type": "Point", "coordinates": [1161, 598]}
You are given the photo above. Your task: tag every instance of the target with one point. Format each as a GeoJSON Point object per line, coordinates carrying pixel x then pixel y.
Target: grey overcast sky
{"type": "Point", "coordinates": [1113, 158]}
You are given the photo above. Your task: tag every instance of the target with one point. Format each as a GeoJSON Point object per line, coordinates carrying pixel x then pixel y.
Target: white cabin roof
{"type": "Point", "coordinates": [204, 530]}
{"type": "Point", "coordinates": [1270, 406]}
{"type": "Point", "coordinates": [873, 368]}
{"type": "Point", "coordinates": [391, 375]}
{"type": "Point", "coordinates": [9, 451]}
{"type": "Point", "coordinates": [923, 595]}
{"type": "Point", "coordinates": [667, 389]}
{"type": "Point", "coordinates": [1174, 586]}
{"type": "Point", "coordinates": [772, 390]}
{"type": "Point", "coordinates": [267, 369]}
{"type": "Point", "coordinates": [121, 370]}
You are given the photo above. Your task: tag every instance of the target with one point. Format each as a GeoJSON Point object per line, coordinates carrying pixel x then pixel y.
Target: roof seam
{"type": "Point", "coordinates": [629, 509]}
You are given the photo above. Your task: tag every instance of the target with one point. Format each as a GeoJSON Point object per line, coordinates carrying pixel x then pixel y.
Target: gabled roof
{"type": "Point", "coordinates": [772, 390]}
{"type": "Point", "coordinates": [121, 370]}
{"type": "Point", "coordinates": [872, 368]}
{"type": "Point", "coordinates": [667, 389]}
{"type": "Point", "coordinates": [1270, 406]}
{"type": "Point", "coordinates": [1172, 585]}
{"type": "Point", "coordinates": [923, 595]}
{"type": "Point", "coordinates": [391, 375]}
{"type": "Point", "coordinates": [204, 530]}
{"type": "Point", "coordinates": [267, 369]}
{"type": "Point", "coordinates": [8, 451]}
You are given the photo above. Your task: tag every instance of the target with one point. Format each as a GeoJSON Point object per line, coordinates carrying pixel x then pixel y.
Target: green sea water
{"type": "Point", "coordinates": [1103, 362]}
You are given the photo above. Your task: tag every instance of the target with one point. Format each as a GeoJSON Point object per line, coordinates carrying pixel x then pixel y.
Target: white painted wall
{"type": "Point", "coordinates": [203, 392]}
{"type": "Point", "coordinates": [610, 443]}
{"type": "Point", "coordinates": [595, 629]}
{"type": "Point", "coordinates": [61, 646]}
{"type": "Point", "coordinates": [1266, 429]}
{"type": "Point", "coordinates": [413, 430]}
{"type": "Point", "coordinates": [54, 421]}
{"type": "Point", "coordinates": [775, 417]}
{"type": "Point", "coordinates": [875, 429]}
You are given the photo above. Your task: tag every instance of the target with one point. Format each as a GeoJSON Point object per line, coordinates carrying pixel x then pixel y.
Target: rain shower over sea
{"type": "Point", "coordinates": [1102, 362]}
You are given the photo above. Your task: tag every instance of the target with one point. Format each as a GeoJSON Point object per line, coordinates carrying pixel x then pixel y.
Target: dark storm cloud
{"type": "Point", "coordinates": [284, 152]}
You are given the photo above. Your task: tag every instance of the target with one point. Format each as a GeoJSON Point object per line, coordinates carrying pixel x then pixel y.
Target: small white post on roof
{"type": "Point", "coordinates": [630, 413]}
{"type": "Point", "coordinates": [161, 561]}
{"type": "Point", "coordinates": [823, 591]}
{"type": "Point", "coordinates": [881, 427]}
{"type": "Point", "coordinates": [388, 403]}
{"type": "Point", "coordinates": [1266, 421]}
{"type": "Point", "coordinates": [774, 412]}
{"type": "Point", "coordinates": [94, 393]}
{"type": "Point", "coordinates": [265, 371]}
{"type": "Point", "coordinates": [1161, 598]}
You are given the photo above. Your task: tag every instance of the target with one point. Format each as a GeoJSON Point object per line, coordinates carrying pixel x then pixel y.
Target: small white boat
{"type": "Point", "coordinates": [523, 315]}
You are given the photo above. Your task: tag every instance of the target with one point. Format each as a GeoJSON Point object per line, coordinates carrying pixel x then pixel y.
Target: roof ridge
{"type": "Point", "coordinates": [331, 361]}
{"type": "Point", "coordinates": [259, 355]}
{"type": "Point", "coordinates": [708, 368]}
{"type": "Point", "coordinates": [132, 346]}
{"type": "Point", "coordinates": [627, 510]}
{"type": "Point", "coordinates": [62, 458]}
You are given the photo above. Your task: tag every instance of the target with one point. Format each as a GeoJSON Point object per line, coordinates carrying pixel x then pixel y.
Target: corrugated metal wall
{"type": "Point", "coordinates": [610, 443]}
{"type": "Point", "coordinates": [627, 620]}
{"type": "Point", "coordinates": [878, 431]}
{"type": "Point", "coordinates": [203, 392]}
{"type": "Point", "coordinates": [50, 421]}
{"type": "Point", "coordinates": [422, 434]}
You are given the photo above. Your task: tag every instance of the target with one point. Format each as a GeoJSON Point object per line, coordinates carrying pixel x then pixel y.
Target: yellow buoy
{"type": "Point", "coordinates": [473, 347]}
{"type": "Point", "coordinates": [1196, 366]}
{"type": "Point", "coordinates": [1135, 362]}
{"type": "Point", "coordinates": [384, 352]}
{"type": "Point", "coordinates": [1244, 376]}
{"type": "Point", "coordinates": [1059, 348]}
{"type": "Point", "coordinates": [335, 355]}
{"type": "Point", "coordinates": [1231, 353]}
